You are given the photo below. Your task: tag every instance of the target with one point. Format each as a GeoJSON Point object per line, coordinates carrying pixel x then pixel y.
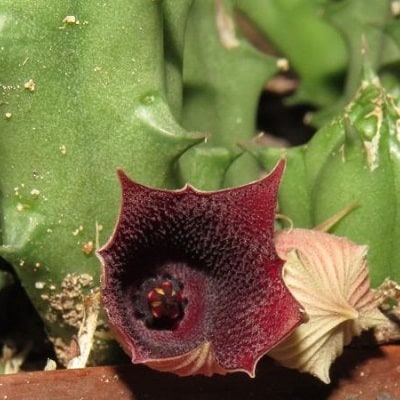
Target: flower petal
{"type": "Point", "coordinates": [200, 361]}
{"type": "Point", "coordinates": [328, 275]}
{"type": "Point", "coordinates": [217, 250]}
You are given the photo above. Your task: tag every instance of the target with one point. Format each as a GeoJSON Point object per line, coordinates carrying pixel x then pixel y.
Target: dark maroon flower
{"type": "Point", "coordinates": [191, 280]}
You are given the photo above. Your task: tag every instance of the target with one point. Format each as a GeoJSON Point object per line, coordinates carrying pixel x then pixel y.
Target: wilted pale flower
{"type": "Point", "coordinates": [328, 275]}
{"type": "Point", "coordinates": [192, 283]}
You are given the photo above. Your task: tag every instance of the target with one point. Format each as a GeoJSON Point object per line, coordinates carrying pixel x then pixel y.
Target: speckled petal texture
{"type": "Point", "coordinates": [219, 245]}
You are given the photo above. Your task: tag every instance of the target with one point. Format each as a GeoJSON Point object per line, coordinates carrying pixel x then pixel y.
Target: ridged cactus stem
{"type": "Point", "coordinates": [84, 92]}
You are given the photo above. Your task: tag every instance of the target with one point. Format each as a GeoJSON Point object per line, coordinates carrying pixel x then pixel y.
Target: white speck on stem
{"type": "Point", "coordinates": [283, 64]}
{"type": "Point", "coordinates": [40, 285]}
{"type": "Point", "coordinates": [70, 20]}
{"type": "Point", "coordinates": [63, 149]}
{"type": "Point", "coordinates": [30, 85]}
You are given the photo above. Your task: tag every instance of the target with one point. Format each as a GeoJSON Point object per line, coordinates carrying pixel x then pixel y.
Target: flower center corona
{"type": "Point", "coordinates": [164, 302]}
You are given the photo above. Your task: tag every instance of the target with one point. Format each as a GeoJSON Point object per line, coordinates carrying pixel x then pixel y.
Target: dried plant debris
{"type": "Point", "coordinates": [67, 307]}
{"type": "Point", "coordinates": [389, 293]}
{"type": "Point", "coordinates": [76, 305]}
{"type": "Point", "coordinates": [66, 303]}
{"type": "Point", "coordinates": [12, 359]}
{"type": "Point", "coordinates": [51, 365]}
{"type": "Point", "coordinates": [85, 337]}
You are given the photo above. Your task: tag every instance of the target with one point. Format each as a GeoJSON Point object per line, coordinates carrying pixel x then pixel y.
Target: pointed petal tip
{"type": "Point", "coordinates": [121, 174]}
{"type": "Point", "coordinates": [124, 178]}
{"type": "Point", "coordinates": [280, 165]}
{"type": "Point", "coordinates": [125, 181]}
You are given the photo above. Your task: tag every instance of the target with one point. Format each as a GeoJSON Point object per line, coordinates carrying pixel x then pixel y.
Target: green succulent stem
{"type": "Point", "coordinates": [86, 90]}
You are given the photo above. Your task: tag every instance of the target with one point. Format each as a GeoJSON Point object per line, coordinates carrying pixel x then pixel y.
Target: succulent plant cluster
{"type": "Point", "coordinates": [168, 91]}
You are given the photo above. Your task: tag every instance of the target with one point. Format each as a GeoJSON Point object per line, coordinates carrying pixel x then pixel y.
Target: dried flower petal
{"type": "Point", "coordinates": [328, 275]}
{"type": "Point", "coordinates": [192, 282]}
